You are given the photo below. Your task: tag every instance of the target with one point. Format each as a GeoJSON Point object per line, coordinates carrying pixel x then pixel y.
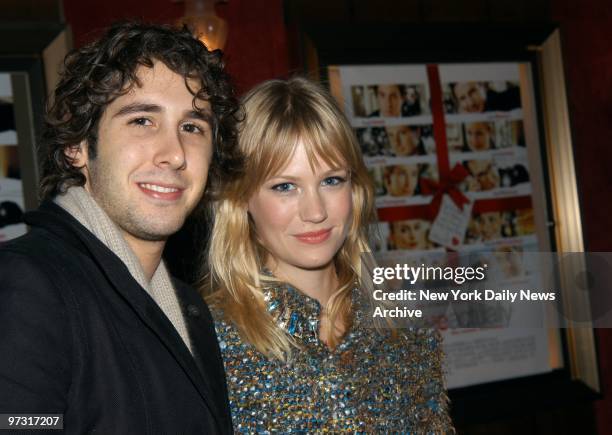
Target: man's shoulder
{"type": "Point", "coordinates": [36, 246]}
{"type": "Point", "coordinates": [40, 262]}
{"type": "Point", "coordinates": [24, 249]}
{"type": "Point", "coordinates": [29, 277]}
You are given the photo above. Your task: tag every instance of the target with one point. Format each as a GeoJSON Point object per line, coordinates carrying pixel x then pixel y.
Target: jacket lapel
{"type": "Point", "coordinates": [57, 220]}
{"type": "Point", "coordinates": [204, 344]}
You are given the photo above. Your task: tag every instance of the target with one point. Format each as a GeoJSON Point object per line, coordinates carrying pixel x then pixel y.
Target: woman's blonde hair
{"type": "Point", "coordinates": [279, 116]}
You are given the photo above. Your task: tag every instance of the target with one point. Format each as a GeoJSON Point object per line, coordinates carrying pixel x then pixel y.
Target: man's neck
{"type": "Point", "coordinates": [149, 253]}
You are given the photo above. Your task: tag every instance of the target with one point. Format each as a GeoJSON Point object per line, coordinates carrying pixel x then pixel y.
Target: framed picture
{"type": "Point", "coordinates": [27, 69]}
{"type": "Point", "coordinates": [429, 102]}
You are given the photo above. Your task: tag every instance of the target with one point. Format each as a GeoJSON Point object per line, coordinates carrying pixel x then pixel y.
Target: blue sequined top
{"type": "Point", "coordinates": [370, 383]}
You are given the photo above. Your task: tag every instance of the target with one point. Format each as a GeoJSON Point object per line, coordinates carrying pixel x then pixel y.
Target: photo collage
{"type": "Point", "coordinates": [455, 168]}
{"type": "Point", "coordinates": [390, 108]}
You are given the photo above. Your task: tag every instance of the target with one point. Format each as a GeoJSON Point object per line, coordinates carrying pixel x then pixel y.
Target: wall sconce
{"type": "Point", "coordinates": [201, 18]}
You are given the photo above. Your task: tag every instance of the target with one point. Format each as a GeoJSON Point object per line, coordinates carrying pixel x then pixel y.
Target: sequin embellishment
{"type": "Point", "coordinates": [371, 382]}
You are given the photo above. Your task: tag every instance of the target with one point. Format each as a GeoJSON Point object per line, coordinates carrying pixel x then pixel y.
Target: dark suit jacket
{"type": "Point", "coordinates": [79, 336]}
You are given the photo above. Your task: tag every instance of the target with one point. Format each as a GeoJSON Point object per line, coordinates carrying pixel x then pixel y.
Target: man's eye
{"type": "Point", "coordinates": [192, 128]}
{"type": "Point", "coordinates": [141, 122]}
{"type": "Point", "coordinates": [333, 181]}
{"type": "Point", "coordinates": [283, 187]}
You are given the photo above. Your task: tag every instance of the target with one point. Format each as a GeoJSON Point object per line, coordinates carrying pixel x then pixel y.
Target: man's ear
{"type": "Point", "coordinates": [78, 154]}
{"type": "Point", "coordinates": [79, 158]}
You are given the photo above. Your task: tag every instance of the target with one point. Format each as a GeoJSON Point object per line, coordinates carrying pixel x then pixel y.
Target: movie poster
{"type": "Point", "coordinates": [11, 189]}
{"type": "Point", "coordinates": [446, 149]}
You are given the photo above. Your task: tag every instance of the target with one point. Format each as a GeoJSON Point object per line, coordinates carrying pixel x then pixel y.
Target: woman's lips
{"type": "Point", "coordinates": [314, 237]}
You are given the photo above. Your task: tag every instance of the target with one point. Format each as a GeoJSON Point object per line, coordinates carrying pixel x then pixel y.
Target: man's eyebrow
{"type": "Point", "coordinates": [203, 115]}
{"type": "Point", "coordinates": [136, 108]}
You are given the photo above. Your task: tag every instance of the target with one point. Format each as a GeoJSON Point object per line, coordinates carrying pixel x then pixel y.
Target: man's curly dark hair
{"type": "Point", "coordinates": [95, 75]}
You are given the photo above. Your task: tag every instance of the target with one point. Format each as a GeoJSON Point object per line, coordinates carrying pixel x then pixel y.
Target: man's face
{"type": "Point", "coordinates": [389, 100]}
{"type": "Point", "coordinates": [478, 136]}
{"type": "Point", "coordinates": [401, 140]}
{"type": "Point", "coordinates": [153, 154]}
{"type": "Point", "coordinates": [401, 180]}
{"type": "Point", "coordinates": [471, 97]}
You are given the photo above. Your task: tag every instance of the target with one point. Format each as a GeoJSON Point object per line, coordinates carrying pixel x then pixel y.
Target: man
{"type": "Point", "coordinates": [390, 99]}
{"type": "Point", "coordinates": [92, 325]}
{"type": "Point", "coordinates": [405, 140]}
{"type": "Point", "coordinates": [402, 180]}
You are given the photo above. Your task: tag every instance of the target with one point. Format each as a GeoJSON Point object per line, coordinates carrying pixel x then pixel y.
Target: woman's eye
{"type": "Point", "coordinates": [192, 128]}
{"type": "Point", "coordinates": [141, 122]}
{"type": "Point", "coordinates": [333, 181]}
{"type": "Point", "coordinates": [283, 187]}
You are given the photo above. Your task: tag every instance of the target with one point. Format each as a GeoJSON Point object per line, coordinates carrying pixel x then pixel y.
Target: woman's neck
{"type": "Point", "coordinates": [319, 284]}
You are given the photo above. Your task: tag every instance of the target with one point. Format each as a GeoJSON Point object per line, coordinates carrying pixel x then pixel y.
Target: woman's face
{"type": "Point", "coordinates": [302, 215]}
{"type": "Point", "coordinates": [490, 225]}
{"type": "Point", "coordinates": [485, 174]}
{"type": "Point", "coordinates": [410, 234]}
{"type": "Point", "coordinates": [478, 136]}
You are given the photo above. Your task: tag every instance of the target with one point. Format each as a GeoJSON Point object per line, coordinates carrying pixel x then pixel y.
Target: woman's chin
{"type": "Point", "coordinates": [315, 263]}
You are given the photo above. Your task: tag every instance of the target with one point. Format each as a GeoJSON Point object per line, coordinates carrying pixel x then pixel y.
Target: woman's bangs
{"type": "Point", "coordinates": [273, 154]}
{"type": "Point", "coordinates": [325, 144]}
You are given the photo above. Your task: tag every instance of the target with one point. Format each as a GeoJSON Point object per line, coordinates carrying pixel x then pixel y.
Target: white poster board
{"type": "Point", "coordinates": [397, 113]}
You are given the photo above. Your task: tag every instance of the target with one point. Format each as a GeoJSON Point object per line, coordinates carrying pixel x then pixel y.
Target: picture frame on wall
{"type": "Point", "coordinates": [30, 58]}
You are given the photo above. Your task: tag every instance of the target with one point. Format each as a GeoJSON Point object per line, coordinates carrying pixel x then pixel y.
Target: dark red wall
{"type": "Point", "coordinates": [257, 50]}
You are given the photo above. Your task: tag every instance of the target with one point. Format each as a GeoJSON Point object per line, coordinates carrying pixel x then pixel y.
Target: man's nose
{"type": "Point", "coordinates": [312, 207]}
{"type": "Point", "coordinates": [170, 151]}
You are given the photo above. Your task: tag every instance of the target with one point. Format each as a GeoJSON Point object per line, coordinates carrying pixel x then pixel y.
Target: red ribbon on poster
{"type": "Point", "coordinates": [449, 179]}
{"type": "Point", "coordinates": [449, 186]}
{"type": "Point", "coordinates": [439, 124]}
{"type": "Point", "coordinates": [391, 214]}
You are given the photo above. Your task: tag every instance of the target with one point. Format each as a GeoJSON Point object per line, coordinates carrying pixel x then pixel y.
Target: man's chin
{"type": "Point", "coordinates": [154, 233]}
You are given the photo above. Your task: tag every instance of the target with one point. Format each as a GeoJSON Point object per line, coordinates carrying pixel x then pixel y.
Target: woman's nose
{"type": "Point", "coordinates": [312, 207]}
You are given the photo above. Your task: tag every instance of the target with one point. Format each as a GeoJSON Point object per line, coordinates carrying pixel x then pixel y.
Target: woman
{"type": "Point", "coordinates": [410, 234]}
{"type": "Point", "coordinates": [284, 260]}
{"type": "Point", "coordinates": [479, 136]}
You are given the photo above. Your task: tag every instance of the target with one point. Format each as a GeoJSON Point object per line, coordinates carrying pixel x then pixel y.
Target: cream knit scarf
{"type": "Point", "coordinates": [86, 210]}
